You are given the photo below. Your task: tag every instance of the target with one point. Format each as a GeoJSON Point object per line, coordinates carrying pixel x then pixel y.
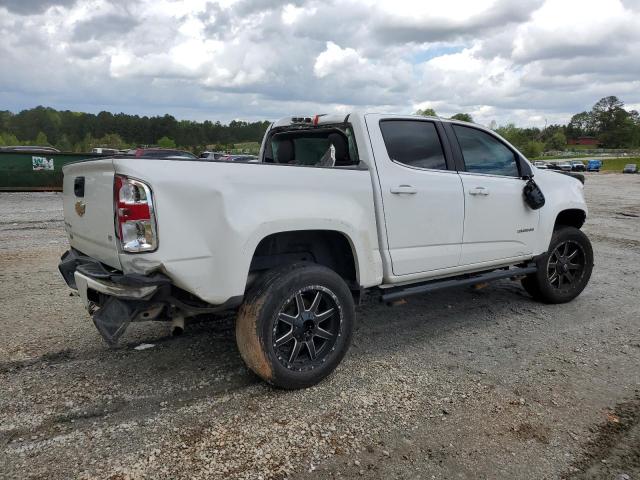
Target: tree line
{"type": "Point", "coordinates": [77, 131]}
{"type": "Point", "coordinates": [608, 121]}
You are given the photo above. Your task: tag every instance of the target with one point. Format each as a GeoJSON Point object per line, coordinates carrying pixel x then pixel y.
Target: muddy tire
{"type": "Point", "coordinates": [295, 325]}
{"type": "Point", "coordinates": [564, 271]}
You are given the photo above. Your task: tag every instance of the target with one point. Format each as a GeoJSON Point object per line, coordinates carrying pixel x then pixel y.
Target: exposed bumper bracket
{"type": "Point", "coordinates": [127, 292]}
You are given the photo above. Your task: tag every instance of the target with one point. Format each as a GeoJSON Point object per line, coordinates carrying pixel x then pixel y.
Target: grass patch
{"type": "Point", "coordinates": [246, 147]}
{"type": "Point", "coordinates": [581, 147]}
{"type": "Point", "coordinates": [617, 164]}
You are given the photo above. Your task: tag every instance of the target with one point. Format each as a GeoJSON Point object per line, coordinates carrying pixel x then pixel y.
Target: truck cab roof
{"type": "Point", "coordinates": [336, 118]}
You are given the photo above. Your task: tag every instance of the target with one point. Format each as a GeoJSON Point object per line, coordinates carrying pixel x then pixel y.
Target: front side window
{"type": "Point", "coordinates": [484, 153]}
{"type": "Point", "coordinates": [414, 143]}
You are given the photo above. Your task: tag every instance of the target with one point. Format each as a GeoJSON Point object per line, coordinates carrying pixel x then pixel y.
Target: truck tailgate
{"type": "Point", "coordinates": [88, 209]}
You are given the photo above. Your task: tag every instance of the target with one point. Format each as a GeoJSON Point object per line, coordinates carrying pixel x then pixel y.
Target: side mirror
{"type": "Point", "coordinates": [525, 169]}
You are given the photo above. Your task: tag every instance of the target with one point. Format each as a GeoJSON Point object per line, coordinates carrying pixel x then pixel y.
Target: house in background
{"type": "Point", "coordinates": [590, 141]}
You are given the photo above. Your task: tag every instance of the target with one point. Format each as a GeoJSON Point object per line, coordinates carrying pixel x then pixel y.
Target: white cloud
{"type": "Point", "coordinates": [569, 28]}
{"type": "Point", "coordinates": [529, 61]}
{"type": "Point", "coordinates": [334, 59]}
{"type": "Point", "coordinates": [291, 14]}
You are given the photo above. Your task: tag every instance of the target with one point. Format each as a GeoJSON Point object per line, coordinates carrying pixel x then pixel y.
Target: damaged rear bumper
{"type": "Point", "coordinates": [115, 299]}
{"type": "Point", "coordinates": [118, 283]}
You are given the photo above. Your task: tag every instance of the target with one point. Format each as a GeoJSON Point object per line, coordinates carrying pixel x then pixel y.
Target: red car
{"type": "Point", "coordinates": [162, 153]}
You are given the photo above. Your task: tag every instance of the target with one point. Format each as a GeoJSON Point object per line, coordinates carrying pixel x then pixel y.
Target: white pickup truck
{"type": "Point", "coordinates": [397, 205]}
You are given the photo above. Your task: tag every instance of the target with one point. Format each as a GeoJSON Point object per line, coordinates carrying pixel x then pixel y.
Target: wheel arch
{"type": "Point", "coordinates": [572, 217]}
{"type": "Point", "coordinates": [332, 248]}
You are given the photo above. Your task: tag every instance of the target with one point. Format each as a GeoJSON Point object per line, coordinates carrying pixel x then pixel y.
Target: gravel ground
{"type": "Point", "coordinates": [456, 384]}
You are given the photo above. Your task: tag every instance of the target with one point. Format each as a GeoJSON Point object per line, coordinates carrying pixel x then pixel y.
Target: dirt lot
{"type": "Point", "coordinates": [458, 384]}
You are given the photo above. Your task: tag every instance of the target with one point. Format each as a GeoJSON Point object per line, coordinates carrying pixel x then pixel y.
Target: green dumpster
{"type": "Point", "coordinates": [29, 171]}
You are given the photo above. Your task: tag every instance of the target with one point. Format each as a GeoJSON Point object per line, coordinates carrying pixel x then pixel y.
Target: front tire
{"type": "Point", "coordinates": [564, 271]}
{"type": "Point", "coordinates": [295, 325]}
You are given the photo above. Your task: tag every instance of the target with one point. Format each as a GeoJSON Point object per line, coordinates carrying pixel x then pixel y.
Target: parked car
{"type": "Point", "coordinates": [212, 155]}
{"type": "Point", "coordinates": [30, 148]}
{"type": "Point", "coordinates": [293, 247]}
{"type": "Point", "coordinates": [540, 164]}
{"type": "Point", "coordinates": [106, 151]}
{"type": "Point", "coordinates": [577, 166]}
{"type": "Point", "coordinates": [162, 153]}
{"type": "Point", "coordinates": [240, 158]}
{"type": "Point", "coordinates": [594, 165]}
{"type": "Point", "coordinates": [564, 166]}
{"type": "Point", "coordinates": [630, 168]}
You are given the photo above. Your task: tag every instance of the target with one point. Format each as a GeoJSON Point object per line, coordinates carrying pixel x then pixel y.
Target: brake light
{"type": "Point", "coordinates": [135, 217]}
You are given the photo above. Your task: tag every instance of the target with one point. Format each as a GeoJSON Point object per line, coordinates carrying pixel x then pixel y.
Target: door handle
{"type": "Point", "coordinates": [479, 191]}
{"type": "Point", "coordinates": [404, 189]}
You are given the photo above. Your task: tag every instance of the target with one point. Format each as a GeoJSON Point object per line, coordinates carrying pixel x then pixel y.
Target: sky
{"type": "Point", "coordinates": [529, 62]}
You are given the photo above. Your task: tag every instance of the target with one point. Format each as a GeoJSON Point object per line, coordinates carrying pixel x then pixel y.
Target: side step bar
{"type": "Point", "coordinates": [397, 293]}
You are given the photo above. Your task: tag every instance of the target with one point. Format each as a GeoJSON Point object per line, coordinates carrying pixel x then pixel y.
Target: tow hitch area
{"type": "Point", "coordinates": [114, 299]}
{"type": "Point", "coordinates": [115, 315]}
{"type": "Point", "coordinates": [113, 318]}
{"type": "Point", "coordinates": [113, 306]}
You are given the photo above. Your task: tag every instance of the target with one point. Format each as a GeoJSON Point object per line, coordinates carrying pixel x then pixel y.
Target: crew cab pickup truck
{"type": "Point", "coordinates": [336, 205]}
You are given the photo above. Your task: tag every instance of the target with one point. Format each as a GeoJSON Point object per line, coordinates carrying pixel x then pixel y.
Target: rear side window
{"type": "Point", "coordinates": [414, 143]}
{"type": "Point", "coordinates": [484, 153]}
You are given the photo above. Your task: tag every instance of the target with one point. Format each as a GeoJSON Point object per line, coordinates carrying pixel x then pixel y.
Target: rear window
{"type": "Point", "coordinates": [310, 150]}
{"type": "Point", "coordinates": [322, 147]}
{"type": "Point", "coordinates": [414, 143]}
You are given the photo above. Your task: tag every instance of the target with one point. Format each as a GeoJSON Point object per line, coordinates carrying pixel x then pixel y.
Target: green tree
{"type": "Point", "coordinates": [581, 124]}
{"type": "Point", "coordinates": [5, 120]}
{"type": "Point", "coordinates": [64, 144]}
{"type": "Point", "coordinates": [511, 134]}
{"type": "Point", "coordinates": [81, 129]}
{"type": "Point", "coordinates": [533, 149]}
{"type": "Point", "coordinates": [465, 117]}
{"type": "Point", "coordinates": [9, 139]}
{"type": "Point", "coordinates": [558, 141]}
{"type": "Point", "coordinates": [85, 144]}
{"type": "Point", "coordinates": [166, 142]}
{"type": "Point", "coordinates": [112, 140]}
{"type": "Point", "coordinates": [615, 126]}
{"type": "Point", "coordinates": [427, 112]}
{"type": "Point", "coordinates": [634, 118]}
{"type": "Point", "coordinates": [41, 139]}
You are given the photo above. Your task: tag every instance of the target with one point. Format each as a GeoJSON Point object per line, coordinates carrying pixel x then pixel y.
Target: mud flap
{"type": "Point", "coordinates": [113, 318]}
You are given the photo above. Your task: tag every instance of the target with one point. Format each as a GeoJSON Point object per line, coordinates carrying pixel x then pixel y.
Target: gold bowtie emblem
{"type": "Point", "coordinates": [80, 208]}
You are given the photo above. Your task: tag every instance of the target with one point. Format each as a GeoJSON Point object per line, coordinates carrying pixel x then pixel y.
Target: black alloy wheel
{"type": "Point", "coordinates": [564, 271]}
{"type": "Point", "coordinates": [295, 324]}
{"type": "Point", "coordinates": [306, 328]}
{"type": "Point", "coordinates": [566, 265]}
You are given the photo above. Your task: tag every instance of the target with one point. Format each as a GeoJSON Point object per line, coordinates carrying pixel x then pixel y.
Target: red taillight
{"type": "Point", "coordinates": [135, 218]}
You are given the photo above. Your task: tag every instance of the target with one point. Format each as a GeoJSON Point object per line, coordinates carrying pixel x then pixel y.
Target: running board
{"type": "Point", "coordinates": [397, 293]}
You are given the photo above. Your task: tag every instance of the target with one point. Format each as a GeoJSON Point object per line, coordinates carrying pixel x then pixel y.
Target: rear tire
{"type": "Point", "coordinates": [564, 271]}
{"type": "Point", "coordinates": [295, 325]}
